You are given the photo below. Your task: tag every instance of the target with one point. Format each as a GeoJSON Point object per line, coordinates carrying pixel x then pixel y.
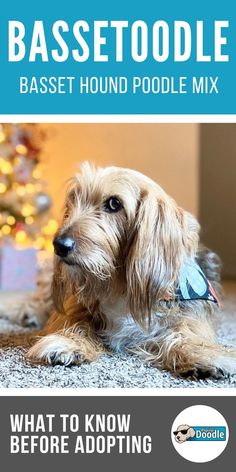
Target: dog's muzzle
{"type": "Point", "coordinates": [63, 246]}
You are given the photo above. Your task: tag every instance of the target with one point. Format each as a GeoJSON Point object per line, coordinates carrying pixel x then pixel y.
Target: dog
{"type": "Point", "coordinates": [183, 433]}
{"type": "Point", "coordinates": [128, 274]}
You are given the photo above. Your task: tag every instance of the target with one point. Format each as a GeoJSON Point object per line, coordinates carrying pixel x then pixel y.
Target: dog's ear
{"type": "Point", "coordinates": [191, 432]}
{"type": "Point", "coordinates": [163, 235]}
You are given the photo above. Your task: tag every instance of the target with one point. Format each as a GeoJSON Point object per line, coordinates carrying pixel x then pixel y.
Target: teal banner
{"type": "Point", "coordinates": [100, 57]}
{"type": "Point", "coordinates": [208, 433]}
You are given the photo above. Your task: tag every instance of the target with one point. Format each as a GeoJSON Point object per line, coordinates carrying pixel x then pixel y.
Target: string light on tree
{"type": "Point", "coordinates": [24, 202]}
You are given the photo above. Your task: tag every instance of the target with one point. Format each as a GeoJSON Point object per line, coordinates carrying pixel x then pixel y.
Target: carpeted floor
{"type": "Point", "coordinates": [110, 371]}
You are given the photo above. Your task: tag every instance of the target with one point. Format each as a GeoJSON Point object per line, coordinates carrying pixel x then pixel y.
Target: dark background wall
{"type": "Point", "coordinates": [217, 205]}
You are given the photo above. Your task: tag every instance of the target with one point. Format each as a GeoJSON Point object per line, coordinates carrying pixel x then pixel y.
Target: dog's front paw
{"type": "Point", "coordinates": [28, 319]}
{"type": "Point", "coordinates": [27, 314]}
{"type": "Point", "coordinates": [31, 315]}
{"type": "Point", "coordinates": [56, 349]}
{"type": "Point", "coordinates": [64, 358]}
{"type": "Point", "coordinates": [203, 373]}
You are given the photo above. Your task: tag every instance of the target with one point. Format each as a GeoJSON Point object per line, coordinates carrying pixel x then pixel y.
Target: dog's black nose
{"type": "Point", "coordinates": [63, 246]}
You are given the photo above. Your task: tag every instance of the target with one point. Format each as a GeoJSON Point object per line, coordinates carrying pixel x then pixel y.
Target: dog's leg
{"type": "Point", "coordinates": [32, 310]}
{"type": "Point", "coordinates": [67, 339]}
{"type": "Point", "coordinates": [188, 348]}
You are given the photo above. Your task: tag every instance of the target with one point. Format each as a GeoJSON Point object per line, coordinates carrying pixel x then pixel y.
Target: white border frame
{"type": "Point", "coordinates": [197, 119]}
{"type": "Point", "coordinates": [119, 392]}
{"type": "Point", "coordinates": [122, 392]}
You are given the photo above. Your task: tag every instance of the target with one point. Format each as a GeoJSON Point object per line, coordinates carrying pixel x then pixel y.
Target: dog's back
{"type": "Point", "coordinates": [211, 265]}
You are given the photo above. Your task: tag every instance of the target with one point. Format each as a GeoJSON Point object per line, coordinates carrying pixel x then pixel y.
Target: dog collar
{"type": "Point", "coordinates": [193, 284]}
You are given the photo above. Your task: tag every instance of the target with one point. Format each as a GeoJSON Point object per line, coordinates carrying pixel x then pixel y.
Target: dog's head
{"type": "Point", "coordinates": [121, 232]}
{"type": "Point", "coordinates": [183, 433]}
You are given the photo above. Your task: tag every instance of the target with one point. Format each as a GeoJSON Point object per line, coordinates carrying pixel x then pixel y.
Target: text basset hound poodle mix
{"type": "Point", "coordinates": [129, 274]}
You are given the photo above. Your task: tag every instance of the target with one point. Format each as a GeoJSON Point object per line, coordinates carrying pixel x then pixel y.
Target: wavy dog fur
{"type": "Point", "coordinates": [116, 289]}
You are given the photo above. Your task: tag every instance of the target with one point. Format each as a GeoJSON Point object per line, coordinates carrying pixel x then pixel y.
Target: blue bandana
{"type": "Point", "coordinates": [193, 284]}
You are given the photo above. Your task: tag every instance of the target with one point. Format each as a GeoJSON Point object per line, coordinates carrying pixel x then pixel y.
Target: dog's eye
{"type": "Point", "coordinates": [112, 205]}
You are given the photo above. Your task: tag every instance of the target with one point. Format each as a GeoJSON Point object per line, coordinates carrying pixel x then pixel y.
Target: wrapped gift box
{"type": "Point", "coordinates": [18, 268]}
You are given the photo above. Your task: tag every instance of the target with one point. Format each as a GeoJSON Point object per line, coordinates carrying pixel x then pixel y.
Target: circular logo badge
{"type": "Point", "coordinates": [199, 433]}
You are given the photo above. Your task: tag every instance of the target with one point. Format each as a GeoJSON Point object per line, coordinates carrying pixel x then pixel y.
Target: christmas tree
{"type": "Point", "coordinates": [24, 203]}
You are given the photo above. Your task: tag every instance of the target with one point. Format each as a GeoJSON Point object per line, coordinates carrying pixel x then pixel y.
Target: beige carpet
{"type": "Point", "coordinates": [110, 371]}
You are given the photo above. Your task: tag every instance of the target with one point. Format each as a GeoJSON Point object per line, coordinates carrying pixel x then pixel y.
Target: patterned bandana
{"type": "Point", "coordinates": [193, 284]}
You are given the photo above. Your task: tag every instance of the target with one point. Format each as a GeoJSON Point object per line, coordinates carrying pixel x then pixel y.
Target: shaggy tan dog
{"type": "Point", "coordinates": [119, 255]}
